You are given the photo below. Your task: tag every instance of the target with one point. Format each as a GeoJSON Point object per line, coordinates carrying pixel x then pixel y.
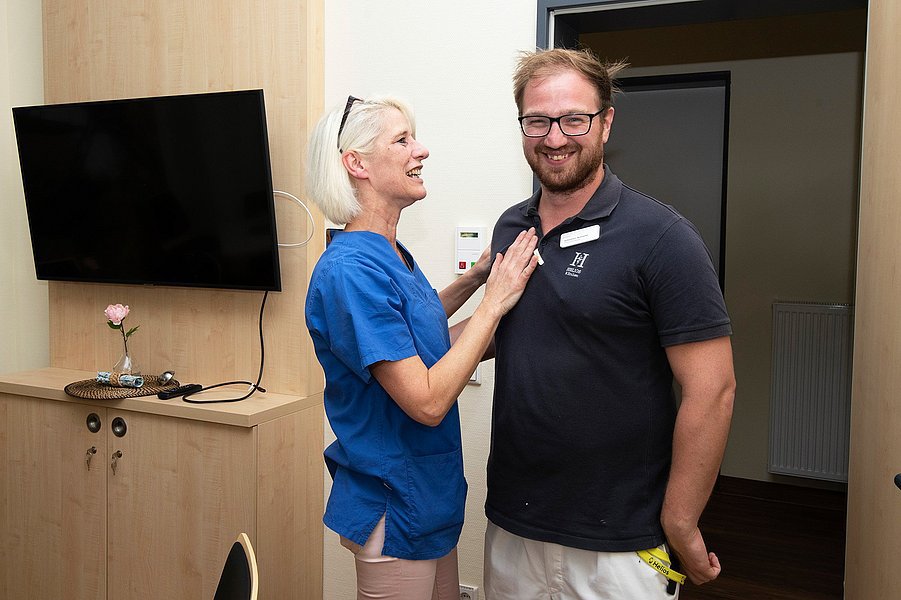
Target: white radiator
{"type": "Point", "coordinates": [810, 401]}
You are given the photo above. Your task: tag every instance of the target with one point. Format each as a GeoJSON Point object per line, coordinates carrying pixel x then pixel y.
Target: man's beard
{"type": "Point", "coordinates": [575, 176]}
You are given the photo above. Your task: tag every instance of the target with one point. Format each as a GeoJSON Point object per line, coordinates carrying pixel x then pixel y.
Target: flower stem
{"type": "Point", "coordinates": [124, 337]}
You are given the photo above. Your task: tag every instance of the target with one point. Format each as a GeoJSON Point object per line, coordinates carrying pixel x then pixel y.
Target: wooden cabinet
{"type": "Point", "coordinates": [54, 508]}
{"type": "Point", "coordinates": [148, 506]}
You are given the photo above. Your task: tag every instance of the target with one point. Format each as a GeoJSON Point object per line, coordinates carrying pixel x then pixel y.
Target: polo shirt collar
{"type": "Point", "coordinates": [600, 205]}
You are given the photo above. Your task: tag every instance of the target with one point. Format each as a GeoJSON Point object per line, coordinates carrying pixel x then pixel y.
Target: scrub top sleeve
{"type": "Point", "coordinates": [683, 290]}
{"type": "Point", "coordinates": [363, 313]}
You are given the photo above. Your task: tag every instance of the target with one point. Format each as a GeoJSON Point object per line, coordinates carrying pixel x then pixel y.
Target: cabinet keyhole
{"type": "Point", "coordinates": [114, 460]}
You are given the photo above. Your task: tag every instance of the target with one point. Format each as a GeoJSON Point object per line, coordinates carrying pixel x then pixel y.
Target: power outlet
{"type": "Point", "coordinates": [469, 592]}
{"type": "Point", "coordinates": [476, 377]}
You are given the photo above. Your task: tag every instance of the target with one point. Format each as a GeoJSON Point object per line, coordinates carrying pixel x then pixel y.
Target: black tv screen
{"type": "Point", "coordinates": [170, 191]}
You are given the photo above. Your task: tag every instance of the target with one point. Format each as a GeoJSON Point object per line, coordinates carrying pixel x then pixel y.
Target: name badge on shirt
{"type": "Point", "coordinates": [580, 236]}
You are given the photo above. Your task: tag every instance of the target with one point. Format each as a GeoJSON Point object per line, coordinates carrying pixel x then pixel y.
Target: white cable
{"type": "Point", "coordinates": [309, 214]}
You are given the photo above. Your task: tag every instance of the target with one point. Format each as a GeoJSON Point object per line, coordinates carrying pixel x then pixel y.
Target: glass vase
{"type": "Point", "coordinates": [126, 365]}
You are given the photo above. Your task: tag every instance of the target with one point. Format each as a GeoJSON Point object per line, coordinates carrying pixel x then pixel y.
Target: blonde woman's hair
{"type": "Point", "coordinates": [328, 183]}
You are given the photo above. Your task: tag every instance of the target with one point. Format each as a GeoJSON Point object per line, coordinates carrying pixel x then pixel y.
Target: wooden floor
{"type": "Point", "coordinates": [774, 541]}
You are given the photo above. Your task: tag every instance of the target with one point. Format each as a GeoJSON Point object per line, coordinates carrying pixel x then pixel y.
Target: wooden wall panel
{"type": "Point", "coordinates": [127, 48]}
{"type": "Point", "coordinates": [874, 503]}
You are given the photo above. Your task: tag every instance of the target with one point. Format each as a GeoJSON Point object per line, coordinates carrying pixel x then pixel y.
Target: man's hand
{"type": "Point", "coordinates": [696, 562]}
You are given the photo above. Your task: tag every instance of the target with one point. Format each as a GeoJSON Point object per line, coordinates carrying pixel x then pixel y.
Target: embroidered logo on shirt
{"type": "Point", "coordinates": [575, 267]}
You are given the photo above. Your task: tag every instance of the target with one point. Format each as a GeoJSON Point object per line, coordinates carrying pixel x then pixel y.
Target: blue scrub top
{"type": "Point", "coordinates": [364, 305]}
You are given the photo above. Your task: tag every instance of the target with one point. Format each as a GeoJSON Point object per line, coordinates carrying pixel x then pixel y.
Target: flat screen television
{"type": "Point", "coordinates": [166, 191]}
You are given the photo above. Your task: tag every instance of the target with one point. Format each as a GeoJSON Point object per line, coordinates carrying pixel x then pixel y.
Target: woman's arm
{"type": "Point", "coordinates": [426, 394]}
{"type": "Point", "coordinates": [457, 329]}
{"type": "Point", "coordinates": [457, 293]}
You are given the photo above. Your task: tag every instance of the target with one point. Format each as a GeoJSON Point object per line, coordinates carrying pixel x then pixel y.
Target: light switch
{"type": "Point", "coordinates": [468, 244]}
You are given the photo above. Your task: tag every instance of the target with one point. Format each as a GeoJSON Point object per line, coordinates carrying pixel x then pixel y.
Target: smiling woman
{"type": "Point", "coordinates": [357, 126]}
{"type": "Point", "coordinates": [393, 369]}
{"type": "Point", "coordinates": [390, 171]}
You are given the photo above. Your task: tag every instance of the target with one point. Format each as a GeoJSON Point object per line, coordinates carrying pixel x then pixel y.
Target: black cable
{"type": "Point", "coordinates": [255, 386]}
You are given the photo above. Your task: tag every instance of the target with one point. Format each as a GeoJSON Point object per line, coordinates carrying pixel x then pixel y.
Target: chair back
{"type": "Point", "coordinates": [239, 579]}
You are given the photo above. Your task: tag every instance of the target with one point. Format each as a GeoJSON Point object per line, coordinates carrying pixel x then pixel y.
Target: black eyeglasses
{"type": "Point", "coordinates": [572, 125]}
{"type": "Point", "coordinates": [350, 102]}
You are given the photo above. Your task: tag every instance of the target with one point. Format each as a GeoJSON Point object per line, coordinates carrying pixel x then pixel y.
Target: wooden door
{"type": "Point", "coordinates": [874, 503]}
{"type": "Point", "coordinates": [52, 505]}
{"type": "Point", "coordinates": [181, 492]}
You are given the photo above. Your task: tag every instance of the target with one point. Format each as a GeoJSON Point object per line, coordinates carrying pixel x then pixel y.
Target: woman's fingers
{"type": "Point", "coordinates": [512, 270]}
{"type": "Point", "coordinates": [521, 250]}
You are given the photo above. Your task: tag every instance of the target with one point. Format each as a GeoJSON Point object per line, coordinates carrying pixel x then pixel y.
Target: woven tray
{"type": "Point", "coordinates": [92, 390]}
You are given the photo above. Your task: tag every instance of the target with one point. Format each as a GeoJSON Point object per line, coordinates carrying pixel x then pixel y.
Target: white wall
{"type": "Point", "coordinates": [24, 334]}
{"type": "Point", "coordinates": [453, 62]}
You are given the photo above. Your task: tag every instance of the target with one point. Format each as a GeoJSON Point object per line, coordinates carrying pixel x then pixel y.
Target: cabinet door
{"type": "Point", "coordinates": [181, 492]}
{"type": "Point", "coordinates": [52, 506]}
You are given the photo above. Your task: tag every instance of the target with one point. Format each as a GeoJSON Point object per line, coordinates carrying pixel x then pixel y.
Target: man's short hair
{"type": "Point", "coordinates": [542, 63]}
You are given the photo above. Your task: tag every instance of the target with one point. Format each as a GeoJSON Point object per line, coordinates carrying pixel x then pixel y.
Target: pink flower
{"type": "Point", "coordinates": [116, 313]}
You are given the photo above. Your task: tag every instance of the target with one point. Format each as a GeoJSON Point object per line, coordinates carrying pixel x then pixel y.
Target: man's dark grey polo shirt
{"type": "Point", "coordinates": [584, 412]}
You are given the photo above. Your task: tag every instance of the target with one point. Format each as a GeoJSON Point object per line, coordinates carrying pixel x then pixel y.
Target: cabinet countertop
{"type": "Point", "coordinates": [49, 383]}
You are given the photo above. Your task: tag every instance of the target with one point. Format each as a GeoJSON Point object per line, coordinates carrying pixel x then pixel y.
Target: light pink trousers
{"type": "Point", "coordinates": [387, 578]}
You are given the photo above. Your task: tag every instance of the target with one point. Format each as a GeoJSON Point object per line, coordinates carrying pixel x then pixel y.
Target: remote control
{"type": "Point", "coordinates": [181, 390]}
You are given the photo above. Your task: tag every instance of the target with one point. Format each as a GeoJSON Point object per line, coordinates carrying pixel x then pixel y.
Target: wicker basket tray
{"type": "Point", "coordinates": [93, 390]}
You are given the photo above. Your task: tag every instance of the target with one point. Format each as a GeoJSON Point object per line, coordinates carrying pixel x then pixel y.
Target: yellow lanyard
{"type": "Point", "coordinates": [659, 560]}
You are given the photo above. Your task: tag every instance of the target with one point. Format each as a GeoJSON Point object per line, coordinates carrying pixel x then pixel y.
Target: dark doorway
{"type": "Point", "coordinates": [670, 141]}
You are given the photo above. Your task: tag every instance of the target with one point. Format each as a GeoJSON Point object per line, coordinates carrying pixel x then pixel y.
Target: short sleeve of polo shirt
{"type": "Point", "coordinates": [361, 311]}
{"type": "Point", "coordinates": [683, 288]}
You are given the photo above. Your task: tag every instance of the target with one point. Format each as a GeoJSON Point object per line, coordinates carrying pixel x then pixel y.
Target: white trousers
{"type": "Point", "coordinates": [388, 578]}
{"type": "Point", "coordinates": [517, 568]}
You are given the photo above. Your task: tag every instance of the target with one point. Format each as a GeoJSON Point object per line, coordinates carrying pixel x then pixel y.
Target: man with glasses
{"type": "Point", "coordinates": [596, 481]}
